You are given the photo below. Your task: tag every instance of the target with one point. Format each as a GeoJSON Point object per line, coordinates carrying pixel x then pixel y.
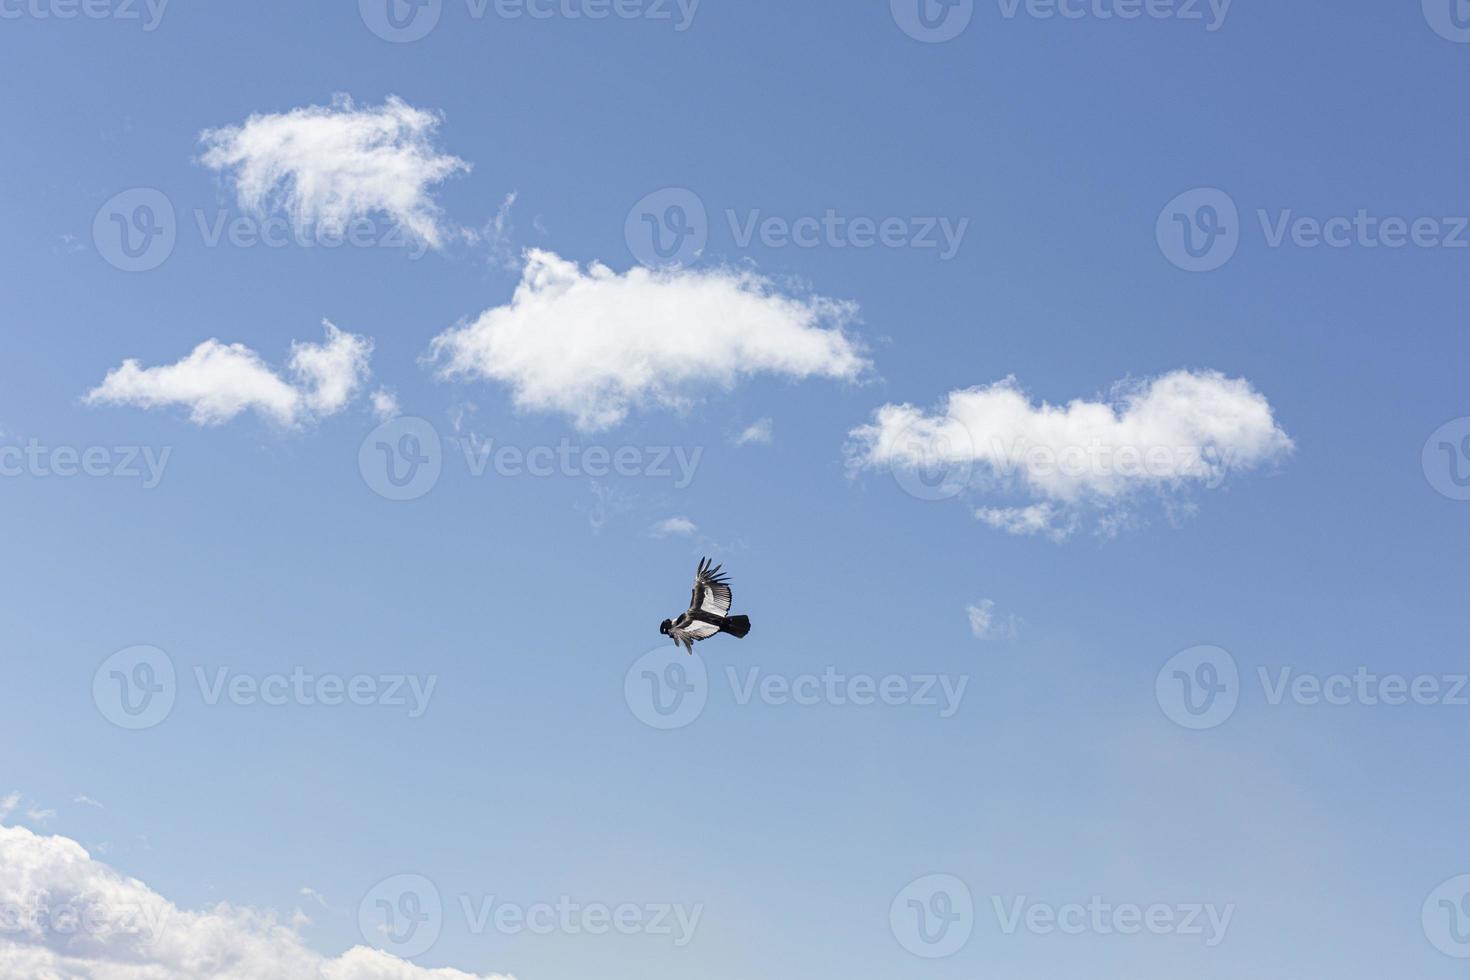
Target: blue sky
{"type": "Point", "coordinates": [1309, 517]}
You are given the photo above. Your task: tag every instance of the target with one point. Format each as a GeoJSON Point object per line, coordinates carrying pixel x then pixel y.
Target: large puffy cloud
{"type": "Point", "coordinates": [1162, 436]}
{"type": "Point", "coordinates": [326, 165]}
{"type": "Point", "coordinates": [66, 916]}
{"type": "Point", "coordinates": [216, 381]}
{"type": "Point", "coordinates": [595, 345]}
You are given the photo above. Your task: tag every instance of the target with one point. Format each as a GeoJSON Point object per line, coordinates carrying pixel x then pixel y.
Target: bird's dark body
{"type": "Point", "coordinates": [708, 612]}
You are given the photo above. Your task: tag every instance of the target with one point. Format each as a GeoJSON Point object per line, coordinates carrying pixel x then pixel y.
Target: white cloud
{"type": "Point", "coordinates": [86, 800]}
{"type": "Point", "coordinates": [217, 382]}
{"type": "Point", "coordinates": [328, 165]}
{"type": "Point", "coordinates": [385, 405]}
{"type": "Point", "coordinates": [758, 432]}
{"type": "Point", "coordinates": [680, 526]}
{"type": "Point", "coordinates": [8, 804]}
{"type": "Point", "coordinates": [986, 625]}
{"type": "Point", "coordinates": [596, 345]}
{"type": "Point", "coordinates": [92, 923]}
{"type": "Point", "coordinates": [1183, 430]}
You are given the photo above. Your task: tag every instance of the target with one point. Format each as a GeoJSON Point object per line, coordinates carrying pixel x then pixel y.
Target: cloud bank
{"type": "Point", "coordinates": [70, 917]}
{"type": "Point", "coordinates": [596, 345]}
{"type": "Point", "coordinates": [1160, 437]}
{"type": "Point", "coordinates": [216, 382]}
{"type": "Point", "coordinates": [327, 165]}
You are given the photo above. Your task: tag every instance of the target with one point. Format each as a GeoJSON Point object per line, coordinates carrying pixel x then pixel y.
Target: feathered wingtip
{"type": "Point", "coordinates": [708, 574]}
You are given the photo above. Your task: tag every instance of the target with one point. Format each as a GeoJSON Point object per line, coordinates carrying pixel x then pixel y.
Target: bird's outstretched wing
{"type": "Point", "coordinates": [692, 633]}
{"type": "Point", "coordinates": [711, 591]}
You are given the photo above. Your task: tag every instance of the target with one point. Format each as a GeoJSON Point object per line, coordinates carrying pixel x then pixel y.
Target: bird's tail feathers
{"type": "Point", "coordinates": [738, 626]}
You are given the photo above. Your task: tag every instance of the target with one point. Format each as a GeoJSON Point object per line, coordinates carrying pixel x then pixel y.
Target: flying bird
{"type": "Point", "coordinates": [709, 611]}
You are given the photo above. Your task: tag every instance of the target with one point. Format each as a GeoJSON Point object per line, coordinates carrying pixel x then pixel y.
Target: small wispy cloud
{"type": "Point", "coordinates": [86, 800]}
{"type": "Point", "coordinates": [757, 433]}
{"type": "Point", "coordinates": [385, 405]}
{"type": "Point", "coordinates": [986, 624]}
{"type": "Point", "coordinates": [674, 527]}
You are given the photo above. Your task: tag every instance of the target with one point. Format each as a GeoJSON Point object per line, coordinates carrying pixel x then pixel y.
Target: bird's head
{"type": "Point", "coordinates": [665, 626]}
